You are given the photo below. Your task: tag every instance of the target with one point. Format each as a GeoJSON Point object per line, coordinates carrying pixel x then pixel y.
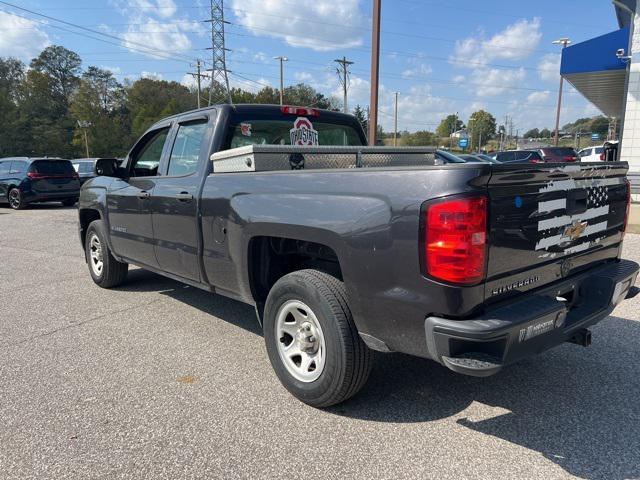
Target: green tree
{"type": "Point", "coordinates": [62, 66]}
{"type": "Point", "coordinates": [533, 133]}
{"type": "Point", "coordinates": [449, 125]}
{"type": "Point", "coordinates": [545, 133]}
{"type": "Point", "coordinates": [600, 125]}
{"type": "Point", "coordinates": [360, 114]}
{"type": "Point", "coordinates": [11, 77]}
{"type": "Point", "coordinates": [482, 127]}
{"type": "Point", "coordinates": [419, 139]}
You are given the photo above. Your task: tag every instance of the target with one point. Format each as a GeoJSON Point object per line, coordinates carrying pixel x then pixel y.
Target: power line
{"type": "Point", "coordinates": [343, 78]}
{"type": "Point", "coordinates": [218, 50]}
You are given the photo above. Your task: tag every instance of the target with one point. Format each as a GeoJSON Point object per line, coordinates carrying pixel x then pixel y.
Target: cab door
{"type": "Point", "coordinates": [174, 200]}
{"type": "Point", "coordinates": [129, 199]}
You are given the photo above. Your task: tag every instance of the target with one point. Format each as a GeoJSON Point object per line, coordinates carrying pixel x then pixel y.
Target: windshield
{"type": "Point", "coordinates": [295, 131]}
{"type": "Point", "coordinates": [52, 167]}
{"type": "Point", "coordinates": [448, 157]}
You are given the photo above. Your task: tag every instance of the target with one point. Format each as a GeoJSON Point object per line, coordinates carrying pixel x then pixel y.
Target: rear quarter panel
{"type": "Point", "coordinates": [369, 217]}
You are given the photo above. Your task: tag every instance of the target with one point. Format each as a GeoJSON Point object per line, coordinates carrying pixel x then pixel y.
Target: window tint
{"type": "Point", "coordinates": [52, 167]}
{"type": "Point", "coordinates": [147, 154]}
{"type": "Point", "coordinates": [186, 148]}
{"type": "Point", "coordinates": [86, 167]}
{"type": "Point", "coordinates": [505, 156]}
{"type": "Point", "coordinates": [4, 167]}
{"type": "Point", "coordinates": [18, 167]}
{"type": "Point", "coordinates": [599, 150]}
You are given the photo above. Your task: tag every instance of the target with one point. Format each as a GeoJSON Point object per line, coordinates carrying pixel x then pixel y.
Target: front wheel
{"type": "Point", "coordinates": [105, 270]}
{"type": "Point", "coordinates": [312, 341]}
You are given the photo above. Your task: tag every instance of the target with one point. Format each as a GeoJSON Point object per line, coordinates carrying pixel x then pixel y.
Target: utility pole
{"type": "Point", "coordinates": [343, 75]}
{"type": "Point", "coordinates": [375, 71]}
{"type": "Point", "coordinates": [198, 76]}
{"type": "Point", "coordinates": [395, 122]}
{"type": "Point", "coordinates": [564, 42]}
{"type": "Point", "coordinates": [84, 125]}
{"type": "Point", "coordinates": [218, 50]}
{"type": "Point", "coordinates": [282, 60]}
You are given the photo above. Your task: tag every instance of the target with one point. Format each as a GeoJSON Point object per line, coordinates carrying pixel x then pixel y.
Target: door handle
{"type": "Point", "coordinates": [184, 197]}
{"type": "Point", "coordinates": [143, 195]}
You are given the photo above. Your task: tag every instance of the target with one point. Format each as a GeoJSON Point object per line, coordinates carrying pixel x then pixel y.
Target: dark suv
{"type": "Point", "coordinates": [27, 180]}
{"type": "Point", "coordinates": [517, 156]}
{"type": "Point", "coordinates": [559, 154]}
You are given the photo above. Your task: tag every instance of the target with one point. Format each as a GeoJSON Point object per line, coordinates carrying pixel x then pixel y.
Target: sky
{"type": "Point", "coordinates": [442, 57]}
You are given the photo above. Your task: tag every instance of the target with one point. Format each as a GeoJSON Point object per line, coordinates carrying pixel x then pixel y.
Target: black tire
{"type": "Point", "coordinates": [69, 202]}
{"type": "Point", "coordinates": [16, 201]}
{"type": "Point", "coordinates": [113, 272]}
{"type": "Point", "coordinates": [348, 360]}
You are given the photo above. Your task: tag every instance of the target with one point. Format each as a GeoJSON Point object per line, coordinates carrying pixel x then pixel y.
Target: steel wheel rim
{"type": "Point", "coordinates": [14, 198]}
{"type": "Point", "coordinates": [300, 341]}
{"type": "Point", "coordinates": [95, 254]}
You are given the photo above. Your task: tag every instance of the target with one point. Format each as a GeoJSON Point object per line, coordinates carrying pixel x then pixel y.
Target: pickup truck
{"type": "Point", "coordinates": [344, 249]}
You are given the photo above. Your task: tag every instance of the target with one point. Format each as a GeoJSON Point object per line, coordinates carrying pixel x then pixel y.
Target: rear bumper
{"type": "Point", "coordinates": [32, 196]}
{"type": "Point", "coordinates": [533, 323]}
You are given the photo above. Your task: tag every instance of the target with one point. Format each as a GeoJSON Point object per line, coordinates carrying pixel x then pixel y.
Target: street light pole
{"type": "Point", "coordinates": [395, 122]}
{"type": "Point", "coordinates": [282, 60]}
{"type": "Point", "coordinates": [564, 42]}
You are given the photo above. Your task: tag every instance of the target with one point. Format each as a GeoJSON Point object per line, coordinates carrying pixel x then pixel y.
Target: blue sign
{"type": "Point", "coordinates": [595, 137]}
{"type": "Point", "coordinates": [463, 142]}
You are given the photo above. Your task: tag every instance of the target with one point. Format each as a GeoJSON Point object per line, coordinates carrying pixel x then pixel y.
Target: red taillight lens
{"type": "Point", "coordinates": [602, 157]}
{"type": "Point", "coordinates": [35, 175]}
{"type": "Point", "coordinates": [569, 158]}
{"type": "Point", "coordinates": [300, 111]}
{"type": "Point", "coordinates": [536, 160]}
{"type": "Point", "coordinates": [456, 240]}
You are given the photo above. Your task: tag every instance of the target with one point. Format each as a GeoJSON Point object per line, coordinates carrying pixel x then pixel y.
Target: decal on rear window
{"type": "Point", "coordinates": [245, 129]}
{"type": "Point", "coordinates": [303, 133]}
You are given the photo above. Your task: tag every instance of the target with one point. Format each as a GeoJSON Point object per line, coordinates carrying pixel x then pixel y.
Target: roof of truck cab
{"type": "Point", "coordinates": [254, 108]}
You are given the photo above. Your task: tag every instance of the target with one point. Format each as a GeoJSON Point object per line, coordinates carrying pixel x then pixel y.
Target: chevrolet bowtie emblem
{"type": "Point", "coordinates": [575, 230]}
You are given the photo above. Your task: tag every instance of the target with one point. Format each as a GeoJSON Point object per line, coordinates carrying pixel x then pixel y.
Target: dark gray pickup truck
{"type": "Point", "coordinates": [344, 249]}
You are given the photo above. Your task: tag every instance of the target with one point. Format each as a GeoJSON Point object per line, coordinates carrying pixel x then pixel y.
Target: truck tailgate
{"type": "Point", "coordinates": [550, 221]}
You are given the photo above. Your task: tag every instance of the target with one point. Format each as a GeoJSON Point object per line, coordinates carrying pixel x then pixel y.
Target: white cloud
{"type": "Point", "coordinates": [421, 70]}
{"type": "Point", "coordinates": [21, 38]}
{"type": "Point", "coordinates": [489, 82]}
{"type": "Point", "coordinates": [459, 78]}
{"type": "Point", "coordinates": [151, 75]}
{"type": "Point", "coordinates": [538, 97]}
{"type": "Point", "coordinates": [515, 42]}
{"type": "Point", "coordinates": [189, 81]}
{"type": "Point", "coordinates": [157, 36]}
{"type": "Point", "coordinates": [549, 67]}
{"type": "Point", "coordinates": [261, 57]}
{"type": "Point", "coordinates": [161, 8]}
{"type": "Point", "coordinates": [320, 25]}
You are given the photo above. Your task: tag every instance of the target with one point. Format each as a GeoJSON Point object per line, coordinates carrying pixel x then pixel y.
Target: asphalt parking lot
{"type": "Point", "coordinates": [159, 380]}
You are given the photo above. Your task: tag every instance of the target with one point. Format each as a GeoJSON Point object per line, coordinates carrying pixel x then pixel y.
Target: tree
{"type": "Point", "coordinates": [359, 113]}
{"type": "Point", "coordinates": [600, 125]}
{"type": "Point", "coordinates": [482, 126]}
{"type": "Point", "coordinates": [533, 133]}
{"type": "Point", "coordinates": [63, 66]}
{"type": "Point", "coordinates": [11, 77]}
{"type": "Point", "coordinates": [545, 133]}
{"type": "Point", "coordinates": [419, 139]}
{"type": "Point", "coordinates": [449, 125]}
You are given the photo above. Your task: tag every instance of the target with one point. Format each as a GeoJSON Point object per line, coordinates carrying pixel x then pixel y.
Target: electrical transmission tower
{"type": "Point", "coordinates": [218, 51]}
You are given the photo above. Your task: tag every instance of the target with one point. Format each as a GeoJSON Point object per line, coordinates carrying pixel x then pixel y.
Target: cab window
{"type": "Point", "coordinates": [4, 167]}
{"type": "Point", "coordinates": [185, 153]}
{"type": "Point", "coordinates": [146, 156]}
{"type": "Point", "coordinates": [18, 167]}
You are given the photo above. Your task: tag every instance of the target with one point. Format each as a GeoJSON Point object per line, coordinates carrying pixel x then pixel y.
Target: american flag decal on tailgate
{"type": "Point", "coordinates": [564, 233]}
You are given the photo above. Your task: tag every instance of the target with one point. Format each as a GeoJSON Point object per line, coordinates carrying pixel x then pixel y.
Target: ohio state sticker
{"type": "Point", "coordinates": [245, 129]}
{"type": "Point", "coordinates": [303, 133]}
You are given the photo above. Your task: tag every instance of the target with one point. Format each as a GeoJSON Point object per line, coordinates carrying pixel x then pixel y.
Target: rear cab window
{"type": "Point", "coordinates": [290, 129]}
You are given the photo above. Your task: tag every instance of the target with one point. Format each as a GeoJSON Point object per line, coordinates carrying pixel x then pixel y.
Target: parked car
{"type": "Point", "coordinates": [517, 156]}
{"type": "Point", "coordinates": [86, 168]}
{"type": "Point", "coordinates": [558, 154]}
{"type": "Point", "coordinates": [27, 180]}
{"type": "Point", "coordinates": [344, 248]}
{"type": "Point", "coordinates": [591, 154]}
{"type": "Point", "coordinates": [477, 158]}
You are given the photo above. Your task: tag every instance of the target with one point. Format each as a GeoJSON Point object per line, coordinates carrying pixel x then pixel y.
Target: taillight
{"type": "Point", "coordinates": [300, 111]}
{"type": "Point", "coordinates": [628, 208]}
{"type": "Point", "coordinates": [536, 160]}
{"type": "Point", "coordinates": [602, 157]}
{"type": "Point", "coordinates": [456, 240]}
{"type": "Point", "coordinates": [569, 158]}
{"type": "Point", "coordinates": [35, 176]}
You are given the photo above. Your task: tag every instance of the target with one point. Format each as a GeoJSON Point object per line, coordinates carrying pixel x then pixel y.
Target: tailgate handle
{"type": "Point", "coordinates": [576, 202]}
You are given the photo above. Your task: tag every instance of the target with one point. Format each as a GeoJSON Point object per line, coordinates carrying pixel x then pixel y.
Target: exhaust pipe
{"type": "Point", "coordinates": [582, 337]}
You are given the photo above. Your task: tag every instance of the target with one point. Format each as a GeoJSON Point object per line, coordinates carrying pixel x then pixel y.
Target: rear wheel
{"type": "Point", "coordinates": [15, 199]}
{"type": "Point", "coordinates": [312, 341]}
{"type": "Point", "coordinates": [105, 270]}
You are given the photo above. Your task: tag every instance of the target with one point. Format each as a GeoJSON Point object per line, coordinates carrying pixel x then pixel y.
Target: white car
{"type": "Point", "coordinates": [591, 154]}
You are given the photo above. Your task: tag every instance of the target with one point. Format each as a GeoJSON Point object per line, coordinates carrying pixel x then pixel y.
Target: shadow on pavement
{"type": "Point", "coordinates": [578, 407]}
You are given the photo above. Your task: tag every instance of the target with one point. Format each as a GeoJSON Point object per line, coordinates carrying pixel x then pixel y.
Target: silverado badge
{"type": "Point", "coordinates": [574, 230]}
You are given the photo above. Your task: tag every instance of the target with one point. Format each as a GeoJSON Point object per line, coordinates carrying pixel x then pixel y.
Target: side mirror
{"type": "Point", "coordinates": [108, 167]}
